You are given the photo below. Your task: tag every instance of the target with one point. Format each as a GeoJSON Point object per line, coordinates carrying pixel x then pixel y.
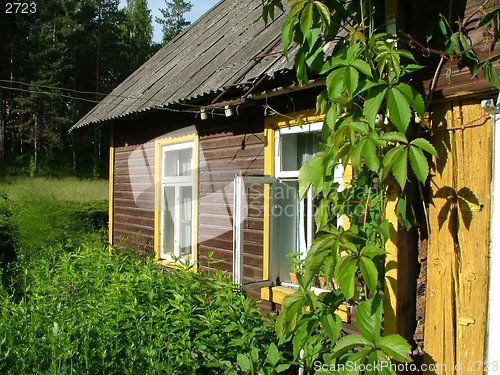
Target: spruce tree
{"type": "Point", "coordinates": [173, 20]}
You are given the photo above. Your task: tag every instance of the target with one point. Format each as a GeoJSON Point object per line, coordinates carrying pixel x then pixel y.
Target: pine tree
{"type": "Point", "coordinates": [173, 20]}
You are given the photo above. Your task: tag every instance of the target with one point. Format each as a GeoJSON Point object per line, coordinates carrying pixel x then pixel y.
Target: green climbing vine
{"type": "Point", "coordinates": [373, 118]}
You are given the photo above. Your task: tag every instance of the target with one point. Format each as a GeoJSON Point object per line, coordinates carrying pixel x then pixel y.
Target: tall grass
{"type": "Point", "coordinates": [50, 211]}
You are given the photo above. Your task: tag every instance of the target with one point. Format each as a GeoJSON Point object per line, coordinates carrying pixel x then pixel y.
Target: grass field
{"type": "Point", "coordinates": [68, 189]}
{"type": "Point", "coordinates": [50, 211]}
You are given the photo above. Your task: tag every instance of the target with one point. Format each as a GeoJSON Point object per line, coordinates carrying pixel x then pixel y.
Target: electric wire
{"type": "Point", "coordinates": [49, 93]}
{"type": "Point", "coordinates": [198, 107]}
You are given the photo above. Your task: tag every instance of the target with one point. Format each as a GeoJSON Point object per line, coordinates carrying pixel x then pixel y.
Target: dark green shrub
{"type": "Point", "coordinates": [8, 232]}
{"type": "Point", "coordinates": [91, 216]}
{"type": "Point", "coordinates": [47, 221]}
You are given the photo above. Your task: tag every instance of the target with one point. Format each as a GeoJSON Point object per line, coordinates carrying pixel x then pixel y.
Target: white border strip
{"type": "Point", "coordinates": [493, 330]}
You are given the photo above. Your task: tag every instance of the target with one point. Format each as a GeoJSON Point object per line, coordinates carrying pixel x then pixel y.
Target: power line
{"type": "Point", "coordinates": [53, 87]}
{"type": "Point", "coordinates": [89, 93]}
{"type": "Point", "coordinates": [49, 93]}
{"type": "Point", "coordinates": [91, 101]}
{"type": "Point", "coordinates": [161, 102]}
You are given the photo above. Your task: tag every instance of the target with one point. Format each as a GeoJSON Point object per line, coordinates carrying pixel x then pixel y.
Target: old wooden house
{"type": "Point", "coordinates": [204, 161]}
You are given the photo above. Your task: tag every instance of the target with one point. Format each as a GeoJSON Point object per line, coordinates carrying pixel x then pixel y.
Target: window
{"type": "Point", "coordinates": [293, 219]}
{"type": "Point", "coordinates": [177, 207]}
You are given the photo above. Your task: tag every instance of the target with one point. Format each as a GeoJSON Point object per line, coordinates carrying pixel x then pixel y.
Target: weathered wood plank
{"type": "Point", "coordinates": [458, 244]}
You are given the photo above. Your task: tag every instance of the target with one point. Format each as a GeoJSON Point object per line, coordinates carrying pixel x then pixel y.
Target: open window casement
{"type": "Point", "coordinates": [291, 226]}
{"type": "Point", "coordinates": [242, 184]}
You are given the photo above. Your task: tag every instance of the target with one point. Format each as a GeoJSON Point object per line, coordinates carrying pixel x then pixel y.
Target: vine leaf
{"type": "Point", "coordinates": [302, 334]}
{"type": "Point", "coordinates": [390, 158]}
{"type": "Point", "coordinates": [396, 347]}
{"type": "Point", "coordinates": [345, 273]}
{"type": "Point", "coordinates": [372, 105]}
{"type": "Point", "coordinates": [332, 324]}
{"type": "Point", "coordinates": [292, 308]}
{"type": "Point", "coordinates": [369, 318]}
{"type": "Point", "coordinates": [287, 34]}
{"type": "Point", "coordinates": [324, 12]}
{"type": "Point", "coordinates": [400, 167]}
{"type": "Point", "coordinates": [322, 249]}
{"type": "Point", "coordinates": [306, 18]}
{"type": "Point", "coordinates": [413, 97]}
{"type": "Point", "coordinates": [405, 213]}
{"type": "Point", "coordinates": [369, 272]}
{"type": "Point", "coordinates": [425, 145]}
{"type": "Point", "coordinates": [371, 251]}
{"type": "Point", "coordinates": [351, 79]}
{"type": "Point", "coordinates": [418, 163]}
{"type": "Point", "coordinates": [362, 66]}
{"type": "Point", "coordinates": [311, 173]}
{"type": "Point", "coordinates": [399, 109]}
{"type": "Point", "coordinates": [370, 155]}
{"type": "Point", "coordinates": [348, 343]}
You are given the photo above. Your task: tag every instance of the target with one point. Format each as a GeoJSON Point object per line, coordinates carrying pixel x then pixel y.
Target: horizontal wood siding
{"type": "Point", "coordinates": [134, 174]}
{"type": "Point", "coordinates": [223, 155]}
{"type": "Point", "coordinates": [134, 197]}
{"type": "Point", "coordinates": [419, 15]}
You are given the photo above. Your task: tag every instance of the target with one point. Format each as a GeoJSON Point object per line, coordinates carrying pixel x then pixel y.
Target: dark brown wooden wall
{"type": "Point", "coordinates": [415, 19]}
{"type": "Point", "coordinates": [227, 147]}
{"type": "Point", "coordinates": [223, 155]}
{"type": "Point", "coordinates": [133, 198]}
{"type": "Point", "coordinates": [134, 172]}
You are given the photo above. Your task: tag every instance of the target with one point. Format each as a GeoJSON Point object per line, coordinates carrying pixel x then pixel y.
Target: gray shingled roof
{"type": "Point", "coordinates": [229, 45]}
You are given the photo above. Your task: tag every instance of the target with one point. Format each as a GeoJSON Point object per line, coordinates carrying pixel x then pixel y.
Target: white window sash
{"type": "Point", "coordinates": [306, 222]}
{"type": "Point", "coordinates": [177, 182]}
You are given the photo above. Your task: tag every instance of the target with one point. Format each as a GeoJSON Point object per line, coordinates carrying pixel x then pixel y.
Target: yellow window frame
{"type": "Point", "coordinates": [159, 144]}
{"type": "Point", "coordinates": [277, 294]}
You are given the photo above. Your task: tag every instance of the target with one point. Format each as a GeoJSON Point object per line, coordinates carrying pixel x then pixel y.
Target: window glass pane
{"type": "Point", "coordinates": [168, 219]}
{"type": "Point", "coordinates": [185, 157]}
{"type": "Point", "coordinates": [186, 219]}
{"type": "Point", "coordinates": [178, 162]}
{"type": "Point", "coordinates": [170, 163]}
{"type": "Point", "coordinates": [297, 148]}
{"type": "Point", "coordinates": [287, 220]}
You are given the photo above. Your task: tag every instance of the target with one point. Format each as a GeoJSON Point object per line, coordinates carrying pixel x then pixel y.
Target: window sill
{"type": "Point", "coordinates": [277, 294]}
{"type": "Point", "coordinates": [176, 265]}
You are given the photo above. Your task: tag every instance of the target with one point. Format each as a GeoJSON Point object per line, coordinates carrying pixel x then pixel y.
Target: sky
{"type": "Point", "coordinates": [199, 8]}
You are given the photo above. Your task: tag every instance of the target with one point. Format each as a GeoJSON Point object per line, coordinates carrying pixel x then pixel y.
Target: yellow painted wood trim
{"type": "Point", "coordinates": [292, 119]}
{"type": "Point", "coordinates": [268, 171]}
{"type": "Point", "coordinates": [391, 265]}
{"type": "Point", "coordinates": [111, 186]}
{"type": "Point", "coordinates": [193, 137]}
{"type": "Point", "coordinates": [279, 293]}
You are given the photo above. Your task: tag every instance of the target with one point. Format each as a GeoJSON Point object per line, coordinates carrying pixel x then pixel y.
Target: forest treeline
{"type": "Point", "coordinates": [58, 58]}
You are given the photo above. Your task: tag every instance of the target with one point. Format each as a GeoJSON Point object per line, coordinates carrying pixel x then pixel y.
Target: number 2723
{"type": "Point", "coordinates": [22, 8]}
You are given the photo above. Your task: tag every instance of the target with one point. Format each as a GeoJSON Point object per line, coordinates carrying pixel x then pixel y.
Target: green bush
{"type": "Point", "coordinates": [45, 220]}
{"type": "Point", "coordinates": [89, 312]}
{"type": "Point", "coordinates": [8, 232]}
